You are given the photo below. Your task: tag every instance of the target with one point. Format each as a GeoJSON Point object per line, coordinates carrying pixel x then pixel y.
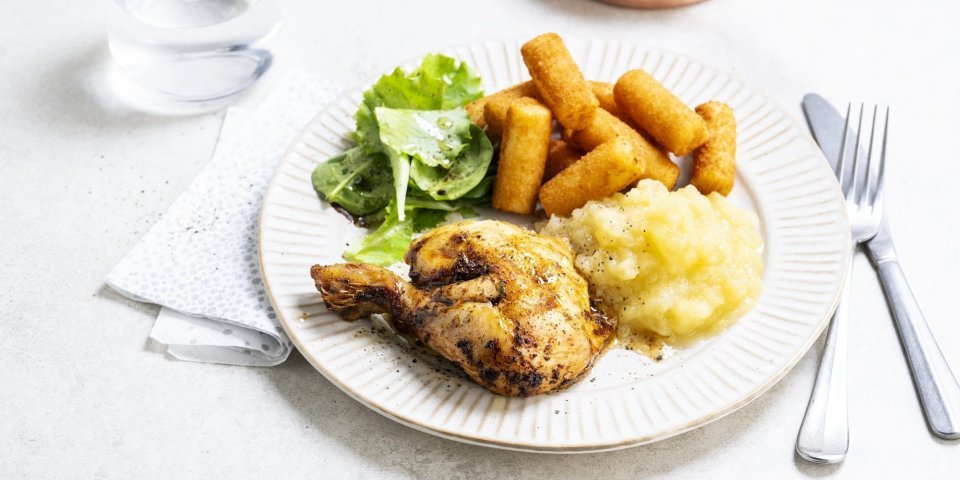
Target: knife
{"type": "Point", "coordinates": [936, 385]}
{"type": "Point", "coordinates": [826, 123]}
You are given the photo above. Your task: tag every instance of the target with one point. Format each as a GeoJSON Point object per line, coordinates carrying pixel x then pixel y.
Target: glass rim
{"type": "Point", "coordinates": [120, 9]}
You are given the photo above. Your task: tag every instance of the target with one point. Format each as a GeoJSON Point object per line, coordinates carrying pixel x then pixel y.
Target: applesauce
{"type": "Point", "coordinates": [672, 263]}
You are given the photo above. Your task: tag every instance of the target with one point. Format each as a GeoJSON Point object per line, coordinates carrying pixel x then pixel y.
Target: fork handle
{"type": "Point", "coordinates": [824, 436]}
{"type": "Point", "coordinates": [937, 387]}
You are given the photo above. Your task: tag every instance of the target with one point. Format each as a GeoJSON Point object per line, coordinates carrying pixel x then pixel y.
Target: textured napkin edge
{"type": "Point", "coordinates": [234, 347]}
{"type": "Point", "coordinates": [232, 355]}
{"type": "Point", "coordinates": [170, 326]}
{"type": "Point", "coordinates": [233, 121]}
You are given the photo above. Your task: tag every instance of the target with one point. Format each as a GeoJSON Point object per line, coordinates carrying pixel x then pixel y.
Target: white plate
{"type": "Point", "coordinates": [626, 400]}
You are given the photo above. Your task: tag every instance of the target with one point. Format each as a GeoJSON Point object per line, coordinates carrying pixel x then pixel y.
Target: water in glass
{"type": "Point", "coordinates": [193, 50]}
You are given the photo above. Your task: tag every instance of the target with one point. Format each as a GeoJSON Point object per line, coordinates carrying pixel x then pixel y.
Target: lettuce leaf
{"type": "Point", "coordinates": [425, 219]}
{"type": "Point", "coordinates": [460, 84]}
{"type": "Point", "coordinates": [433, 137]}
{"type": "Point", "coordinates": [387, 244]}
{"type": "Point", "coordinates": [439, 83]}
{"type": "Point", "coordinates": [400, 168]}
{"type": "Point", "coordinates": [466, 173]}
{"type": "Point", "coordinates": [415, 124]}
{"type": "Point", "coordinates": [483, 191]}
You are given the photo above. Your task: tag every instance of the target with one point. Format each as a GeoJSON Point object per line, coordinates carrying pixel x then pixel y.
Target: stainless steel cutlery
{"type": "Point", "coordinates": [860, 168]}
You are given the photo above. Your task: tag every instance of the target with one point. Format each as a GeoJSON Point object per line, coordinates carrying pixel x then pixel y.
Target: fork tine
{"type": "Point", "coordinates": [850, 192]}
{"type": "Point", "coordinates": [864, 195]}
{"type": "Point", "coordinates": [878, 193]}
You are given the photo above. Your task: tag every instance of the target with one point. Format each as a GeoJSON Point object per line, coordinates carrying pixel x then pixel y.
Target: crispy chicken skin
{"type": "Point", "coordinates": [500, 301]}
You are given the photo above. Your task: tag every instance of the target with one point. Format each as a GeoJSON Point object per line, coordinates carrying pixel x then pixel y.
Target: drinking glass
{"type": "Point", "coordinates": [193, 50]}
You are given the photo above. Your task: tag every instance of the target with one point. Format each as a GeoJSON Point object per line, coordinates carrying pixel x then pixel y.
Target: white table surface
{"type": "Point", "coordinates": [82, 177]}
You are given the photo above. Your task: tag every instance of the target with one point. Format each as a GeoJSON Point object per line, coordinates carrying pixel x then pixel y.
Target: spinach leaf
{"type": "Point", "coordinates": [357, 182]}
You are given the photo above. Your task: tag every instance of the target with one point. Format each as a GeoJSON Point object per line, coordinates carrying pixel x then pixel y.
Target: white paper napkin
{"type": "Point", "coordinates": [200, 260]}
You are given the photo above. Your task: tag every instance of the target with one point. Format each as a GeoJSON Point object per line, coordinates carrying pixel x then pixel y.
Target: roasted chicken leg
{"type": "Point", "coordinates": [502, 302]}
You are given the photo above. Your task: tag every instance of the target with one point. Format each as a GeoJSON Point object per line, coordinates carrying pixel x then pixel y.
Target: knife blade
{"type": "Point", "coordinates": [826, 123]}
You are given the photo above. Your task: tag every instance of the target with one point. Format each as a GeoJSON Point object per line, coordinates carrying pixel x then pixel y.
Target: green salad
{"type": "Point", "coordinates": [417, 158]}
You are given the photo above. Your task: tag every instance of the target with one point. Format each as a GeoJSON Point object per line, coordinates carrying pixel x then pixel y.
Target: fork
{"type": "Point", "coordinates": [824, 435]}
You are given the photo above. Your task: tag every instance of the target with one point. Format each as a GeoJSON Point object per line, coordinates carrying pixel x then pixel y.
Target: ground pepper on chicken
{"type": "Point", "coordinates": [500, 301]}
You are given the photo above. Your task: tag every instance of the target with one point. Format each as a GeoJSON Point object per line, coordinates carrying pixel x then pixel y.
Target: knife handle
{"type": "Point", "coordinates": [937, 387]}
